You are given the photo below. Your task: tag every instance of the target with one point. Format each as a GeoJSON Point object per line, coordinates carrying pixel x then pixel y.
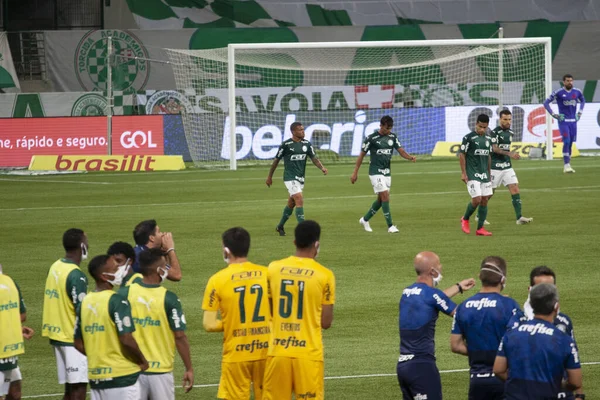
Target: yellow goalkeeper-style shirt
{"type": "Point", "coordinates": [239, 292]}
{"type": "Point", "coordinates": [299, 287]}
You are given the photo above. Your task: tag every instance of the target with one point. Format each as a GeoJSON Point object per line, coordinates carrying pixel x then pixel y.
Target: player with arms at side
{"type": "Point", "coordinates": [12, 333]}
{"type": "Point", "coordinates": [567, 98]}
{"type": "Point", "coordinates": [534, 357]}
{"type": "Point", "coordinates": [420, 305]}
{"type": "Point", "coordinates": [502, 170]}
{"type": "Point", "coordinates": [294, 152]}
{"type": "Point", "coordinates": [66, 287]}
{"type": "Point", "coordinates": [479, 324]}
{"type": "Point", "coordinates": [381, 144]}
{"type": "Point", "coordinates": [302, 294]}
{"type": "Point", "coordinates": [159, 328]}
{"type": "Point", "coordinates": [475, 165]}
{"type": "Point", "coordinates": [104, 332]}
{"type": "Point", "coordinates": [543, 274]}
{"type": "Point", "coordinates": [240, 293]}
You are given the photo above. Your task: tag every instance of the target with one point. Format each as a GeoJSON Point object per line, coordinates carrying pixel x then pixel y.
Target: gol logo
{"type": "Point", "coordinates": [137, 139]}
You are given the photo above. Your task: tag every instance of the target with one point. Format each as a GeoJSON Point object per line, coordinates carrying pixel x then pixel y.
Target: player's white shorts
{"type": "Point", "coordinates": [8, 377]}
{"type": "Point", "coordinates": [503, 177]}
{"type": "Point", "coordinates": [71, 365]}
{"type": "Point", "coordinates": [157, 386]}
{"type": "Point", "coordinates": [380, 183]}
{"type": "Point", "coordinates": [477, 189]}
{"type": "Point", "coordinates": [294, 187]}
{"type": "Point", "coordinates": [124, 393]}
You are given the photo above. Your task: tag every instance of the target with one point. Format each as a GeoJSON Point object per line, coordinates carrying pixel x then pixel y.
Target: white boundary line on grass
{"type": "Point", "coordinates": [42, 180]}
{"type": "Point", "coordinates": [554, 189]}
{"type": "Point", "coordinates": [449, 371]}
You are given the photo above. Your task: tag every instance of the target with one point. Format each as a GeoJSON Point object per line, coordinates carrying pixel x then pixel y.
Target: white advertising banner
{"type": "Point", "coordinates": [529, 123]}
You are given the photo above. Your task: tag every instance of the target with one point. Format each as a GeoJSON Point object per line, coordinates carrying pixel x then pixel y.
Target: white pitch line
{"type": "Point", "coordinates": [405, 173]}
{"type": "Point", "coordinates": [53, 181]}
{"type": "Point", "coordinates": [586, 188]}
{"type": "Point", "coordinates": [448, 371]}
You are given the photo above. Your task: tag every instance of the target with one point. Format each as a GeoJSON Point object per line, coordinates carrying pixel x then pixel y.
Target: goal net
{"type": "Point", "coordinates": [339, 91]}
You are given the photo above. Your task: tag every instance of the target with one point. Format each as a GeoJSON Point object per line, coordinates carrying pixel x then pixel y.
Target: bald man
{"type": "Point", "coordinates": [420, 305]}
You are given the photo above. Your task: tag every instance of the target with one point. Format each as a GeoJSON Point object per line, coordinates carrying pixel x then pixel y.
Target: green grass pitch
{"type": "Point", "coordinates": [428, 199]}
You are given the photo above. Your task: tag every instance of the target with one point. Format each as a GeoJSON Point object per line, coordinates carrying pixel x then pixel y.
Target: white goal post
{"type": "Point", "coordinates": [432, 88]}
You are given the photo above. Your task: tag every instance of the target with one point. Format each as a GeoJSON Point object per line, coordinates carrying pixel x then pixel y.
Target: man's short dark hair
{"type": "Point", "coordinates": [72, 239]}
{"type": "Point", "coordinates": [122, 248]}
{"type": "Point", "coordinates": [543, 298]}
{"type": "Point", "coordinates": [565, 76]}
{"type": "Point", "coordinates": [148, 258]}
{"type": "Point", "coordinates": [143, 231]}
{"type": "Point", "coordinates": [294, 125]}
{"type": "Point", "coordinates": [307, 233]}
{"type": "Point", "coordinates": [505, 112]}
{"type": "Point", "coordinates": [237, 240]}
{"type": "Point", "coordinates": [493, 263]}
{"type": "Point", "coordinates": [483, 118]}
{"type": "Point", "coordinates": [96, 265]}
{"type": "Point", "coordinates": [542, 270]}
{"type": "Point", "coordinates": [386, 120]}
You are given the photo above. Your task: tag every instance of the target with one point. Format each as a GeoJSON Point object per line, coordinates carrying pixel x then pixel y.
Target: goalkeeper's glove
{"type": "Point", "coordinates": [560, 117]}
{"type": "Point", "coordinates": [578, 117]}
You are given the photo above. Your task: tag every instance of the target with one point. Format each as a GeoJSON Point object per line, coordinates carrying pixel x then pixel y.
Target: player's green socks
{"type": "Point", "coordinates": [469, 212]}
{"type": "Point", "coordinates": [386, 213]}
{"type": "Point", "coordinates": [300, 214]}
{"type": "Point", "coordinates": [287, 212]}
{"type": "Point", "coordinates": [373, 210]}
{"type": "Point", "coordinates": [482, 215]}
{"type": "Point", "coordinates": [516, 200]}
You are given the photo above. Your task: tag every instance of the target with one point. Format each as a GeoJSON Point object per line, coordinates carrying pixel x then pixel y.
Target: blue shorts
{"type": "Point", "coordinates": [568, 131]}
{"type": "Point", "coordinates": [490, 388]}
{"type": "Point", "coordinates": [419, 377]}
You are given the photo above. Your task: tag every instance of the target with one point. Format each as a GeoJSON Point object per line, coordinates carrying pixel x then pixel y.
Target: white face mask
{"type": "Point", "coordinates": [84, 252]}
{"type": "Point", "coordinates": [496, 271]}
{"type": "Point", "coordinates": [226, 253]}
{"type": "Point", "coordinates": [119, 275]}
{"type": "Point", "coordinates": [318, 247]}
{"type": "Point", "coordinates": [437, 279]}
{"type": "Point", "coordinates": [163, 274]}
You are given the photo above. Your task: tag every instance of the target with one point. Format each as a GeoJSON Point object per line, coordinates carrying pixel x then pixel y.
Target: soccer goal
{"type": "Point", "coordinates": [248, 95]}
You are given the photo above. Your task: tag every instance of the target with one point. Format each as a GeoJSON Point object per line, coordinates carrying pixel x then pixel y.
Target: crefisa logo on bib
{"type": "Point", "coordinates": [92, 61]}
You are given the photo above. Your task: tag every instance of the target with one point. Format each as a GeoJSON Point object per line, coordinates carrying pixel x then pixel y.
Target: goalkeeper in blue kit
{"type": "Point", "coordinates": [567, 98]}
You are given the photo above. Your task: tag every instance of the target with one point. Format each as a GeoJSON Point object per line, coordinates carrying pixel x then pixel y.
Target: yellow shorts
{"type": "Point", "coordinates": [237, 377]}
{"type": "Point", "coordinates": [284, 375]}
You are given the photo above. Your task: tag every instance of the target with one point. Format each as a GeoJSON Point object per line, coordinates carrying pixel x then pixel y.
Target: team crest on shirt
{"type": "Point", "coordinates": [304, 148]}
{"type": "Point", "coordinates": [390, 142]}
{"type": "Point", "coordinates": [487, 143]}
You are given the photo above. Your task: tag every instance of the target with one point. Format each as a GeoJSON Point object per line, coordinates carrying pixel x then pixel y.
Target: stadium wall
{"type": "Point", "coordinates": [21, 138]}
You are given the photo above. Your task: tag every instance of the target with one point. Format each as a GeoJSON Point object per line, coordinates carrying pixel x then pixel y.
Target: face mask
{"type": "Point", "coordinates": [119, 275]}
{"type": "Point", "coordinates": [437, 279]}
{"type": "Point", "coordinates": [497, 271]}
{"type": "Point", "coordinates": [226, 254]}
{"type": "Point", "coordinates": [163, 274]}
{"type": "Point", "coordinates": [318, 247]}
{"type": "Point", "coordinates": [84, 252]}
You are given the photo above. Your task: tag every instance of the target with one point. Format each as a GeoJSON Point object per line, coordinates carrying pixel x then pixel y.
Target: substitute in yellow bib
{"type": "Point", "coordinates": [125, 255]}
{"type": "Point", "coordinates": [104, 332]}
{"type": "Point", "coordinates": [239, 293]}
{"type": "Point", "coordinates": [66, 286]}
{"type": "Point", "coordinates": [302, 294]}
{"type": "Point", "coordinates": [12, 314]}
{"type": "Point", "coordinates": [159, 328]}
